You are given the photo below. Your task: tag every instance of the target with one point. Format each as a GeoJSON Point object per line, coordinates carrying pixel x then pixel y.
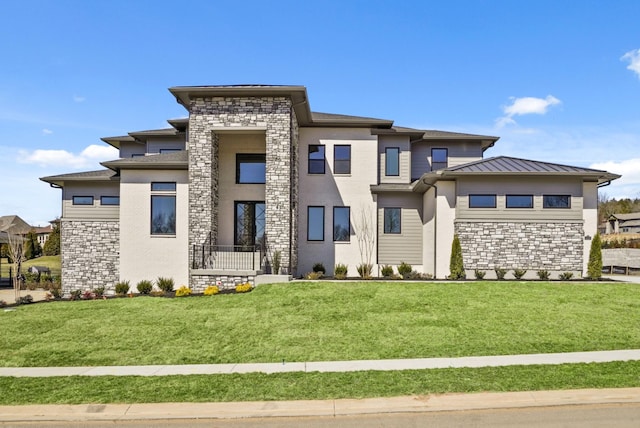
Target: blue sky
{"type": "Point", "coordinates": [558, 81]}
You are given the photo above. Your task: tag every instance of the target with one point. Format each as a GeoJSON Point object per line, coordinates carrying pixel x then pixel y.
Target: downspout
{"type": "Point", "coordinates": [435, 224]}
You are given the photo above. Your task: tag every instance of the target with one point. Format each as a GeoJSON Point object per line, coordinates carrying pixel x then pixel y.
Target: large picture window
{"type": "Point", "coordinates": [341, 224]}
{"type": "Point", "coordinates": [556, 201]}
{"type": "Point", "coordinates": [439, 159]}
{"type": "Point", "coordinates": [392, 220]}
{"type": "Point", "coordinates": [163, 208]}
{"type": "Point", "coordinates": [519, 201]}
{"type": "Point", "coordinates": [251, 168]}
{"type": "Point", "coordinates": [392, 161]}
{"type": "Point", "coordinates": [342, 159]}
{"type": "Point", "coordinates": [316, 159]}
{"type": "Point", "coordinates": [482, 201]}
{"type": "Point", "coordinates": [315, 223]}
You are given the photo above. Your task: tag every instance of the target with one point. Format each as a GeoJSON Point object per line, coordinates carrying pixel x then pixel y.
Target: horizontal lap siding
{"type": "Point", "coordinates": [459, 153]}
{"type": "Point", "coordinates": [406, 246]}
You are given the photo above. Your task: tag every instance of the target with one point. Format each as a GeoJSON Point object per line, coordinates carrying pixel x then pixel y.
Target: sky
{"type": "Point", "coordinates": [557, 81]}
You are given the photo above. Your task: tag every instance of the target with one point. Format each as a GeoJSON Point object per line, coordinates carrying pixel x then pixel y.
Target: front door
{"type": "Point", "coordinates": [249, 224]}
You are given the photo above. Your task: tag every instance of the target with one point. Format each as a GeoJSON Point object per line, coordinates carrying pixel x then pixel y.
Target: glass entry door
{"type": "Point", "coordinates": [249, 224]}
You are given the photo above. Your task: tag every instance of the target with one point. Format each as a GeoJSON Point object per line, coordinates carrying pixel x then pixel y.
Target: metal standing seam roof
{"type": "Point", "coordinates": [505, 164]}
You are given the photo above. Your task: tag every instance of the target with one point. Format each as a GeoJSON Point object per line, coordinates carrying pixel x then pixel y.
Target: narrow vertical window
{"type": "Point", "coordinates": [341, 224]}
{"type": "Point", "coordinates": [392, 220]}
{"type": "Point", "coordinates": [439, 159]}
{"type": "Point", "coordinates": [316, 159]}
{"type": "Point", "coordinates": [392, 161]}
{"type": "Point", "coordinates": [163, 208]}
{"type": "Point", "coordinates": [342, 159]}
{"type": "Point", "coordinates": [315, 223]}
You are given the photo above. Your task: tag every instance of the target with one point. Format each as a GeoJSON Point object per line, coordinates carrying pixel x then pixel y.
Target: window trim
{"type": "Point", "coordinates": [309, 208]}
{"type": "Point", "coordinates": [384, 221]}
{"type": "Point", "coordinates": [346, 161]}
{"type": "Point", "coordinates": [433, 162]}
{"type": "Point", "coordinates": [386, 161]}
{"type": "Point", "coordinates": [175, 209]}
{"type": "Point", "coordinates": [316, 161]}
{"type": "Point", "coordinates": [102, 199]}
{"type": "Point", "coordinates": [546, 206]}
{"type": "Point", "coordinates": [348, 223]}
{"type": "Point", "coordinates": [506, 202]}
{"type": "Point", "coordinates": [172, 187]}
{"type": "Point", "coordinates": [257, 158]}
{"type": "Point", "coordinates": [495, 201]}
{"type": "Point", "coordinates": [79, 197]}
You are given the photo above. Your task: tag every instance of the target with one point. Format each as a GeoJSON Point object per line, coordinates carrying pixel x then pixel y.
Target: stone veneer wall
{"type": "Point", "coordinates": [224, 282]}
{"type": "Point", "coordinates": [90, 253]}
{"type": "Point", "coordinates": [533, 246]}
{"type": "Point", "coordinates": [271, 113]}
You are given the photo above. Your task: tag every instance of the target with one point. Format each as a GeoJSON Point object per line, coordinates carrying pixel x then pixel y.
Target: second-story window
{"type": "Point", "coordinates": [439, 159]}
{"type": "Point", "coordinates": [316, 159]}
{"type": "Point", "coordinates": [342, 159]}
{"type": "Point", "coordinates": [392, 161]}
{"type": "Point", "coordinates": [251, 168]}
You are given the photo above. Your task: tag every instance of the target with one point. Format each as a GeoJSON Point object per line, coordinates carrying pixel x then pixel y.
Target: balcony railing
{"type": "Point", "coordinates": [227, 257]}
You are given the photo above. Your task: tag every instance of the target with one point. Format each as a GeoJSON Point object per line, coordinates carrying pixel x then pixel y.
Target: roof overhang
{"type": "Point", "coordinates": [102, 176]}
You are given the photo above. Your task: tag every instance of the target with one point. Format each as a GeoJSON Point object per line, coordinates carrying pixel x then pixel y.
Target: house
{"type": "Point", "coordinates": [623, 223]}
{"type": "Point", "coordinates": [253, 173]}
{"type": "Point", "coordinates": [42, 234]}
{"type": "Point", "coordinates": [12, 225]}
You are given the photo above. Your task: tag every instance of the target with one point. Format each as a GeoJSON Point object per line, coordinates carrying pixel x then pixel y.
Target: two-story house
{"type": "Point", "coordinates": [253, 173]}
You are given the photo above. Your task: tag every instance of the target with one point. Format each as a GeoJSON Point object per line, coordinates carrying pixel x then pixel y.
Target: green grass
{"type": "Point", "coordinates": [52, 262]}
{"type": "Point", "coordinates": [313, 386]}
{"type": "Point", "coordinates": [319, 321]}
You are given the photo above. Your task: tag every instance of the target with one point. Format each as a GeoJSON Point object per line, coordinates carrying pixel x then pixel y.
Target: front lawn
{"type": "Point", "coordinates": [52, 262]}
{"type": "Point", "coordinates": [314, 321]}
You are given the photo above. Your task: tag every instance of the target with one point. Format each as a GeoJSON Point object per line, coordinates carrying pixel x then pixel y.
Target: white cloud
{"type": "Point", "coordinates": [89, 157]}
{"type": "Point", "coordinates": [78, 98]}
{"type": "Point", "coordinates": [628, 186]}
{"type": "Point", "coordinates": [634, 61]}
{"type": "Point", "coordinates": [46, 131]}
{"type": "Point", "coordinates": [525, 105]}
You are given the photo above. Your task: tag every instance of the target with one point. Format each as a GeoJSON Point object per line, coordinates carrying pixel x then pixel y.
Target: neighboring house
{"type": "Point", "coordinates": [623, 223]}
{"type": "Point", "coordinates": [253, 171]}
{"type": "Point", "coordinates": [13, 225]}
{"type": "Point", "coordinates": [42, 233]}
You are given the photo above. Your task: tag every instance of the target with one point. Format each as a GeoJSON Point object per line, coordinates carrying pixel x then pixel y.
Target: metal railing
{"type": "Point", "coordinates": [227, 257]}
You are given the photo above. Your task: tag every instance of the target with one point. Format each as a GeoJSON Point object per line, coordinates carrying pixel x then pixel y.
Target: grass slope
{"type": "Point", "coordinates": [314, 321]}
{"type": "Point", "coordinates": [52, 262]}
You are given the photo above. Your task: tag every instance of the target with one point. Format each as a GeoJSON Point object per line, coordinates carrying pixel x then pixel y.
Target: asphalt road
{"type": "Point", "coordinates": [587, 416]}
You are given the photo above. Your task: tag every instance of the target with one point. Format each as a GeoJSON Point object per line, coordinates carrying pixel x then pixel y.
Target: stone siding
{"type": "Point", "coordinates": [90, 255]}
{"type": "Point", "coordinates": [556, 247]}
{"type": "Point", "coordinates": [274, 115]}
{"type": "Point", "coordinates": [199, 282]}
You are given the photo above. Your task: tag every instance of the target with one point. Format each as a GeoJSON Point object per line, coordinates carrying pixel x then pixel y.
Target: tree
{"type": "Point", "coordinates": [366, 235]}
{"type": "Point", "coordinates": [32, 246]}
{"type": "Point", "coordinates": [16, 251]}
{"type": "Point", "coordinates": [52, 246]}
{"type": "Point", "coordinates": [456, 264]}
{"type": "Point", "coordinates": [594, 269]}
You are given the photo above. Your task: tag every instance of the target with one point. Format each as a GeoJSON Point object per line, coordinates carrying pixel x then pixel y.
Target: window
{"type": "Point", "coordinates": [138, 155]}
{"type": "Point", "coordinates": [109, 200]}
{"type": "Point", "coordinates": [251, 168]}
{"type": "Point", "coordinates": [341, 224]}
{"type": "Point", "coordinates": [439, 159]}
{"type": "Point", "coordinates": [342, 159]}
{"type": "Point", "coordinates": [315, 223]}
{"type": "Point", "coordinates": [519, 201]}
{"type": "Point", "coordinates": [316, 159]}
{"type": "Point", "coordinates": [163, 208]}
{"type": "Point", "coordinates": [392, 220]}
{"type": "Point", "coordinates": [392, 161]}
{"type": "Point", "coordinates": [169, 150]}
{"type": "Point", "coordinates": [83, 200]}
{"type": "Point", "coordinates": [482, 201]}
{"type": "Point", "coordinates": [556, 201]}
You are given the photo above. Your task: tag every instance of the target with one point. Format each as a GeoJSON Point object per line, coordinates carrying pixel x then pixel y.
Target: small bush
{"type": "Point", "coordinates": [25, 300]}
{"type": "Point", "coordinates": [519, 273]}
{"type": "Point", "coordinates": [456, 265]}
{"type": "Point", "coordinates": [144, 287]}
{"type": "Point", "coordinates": [543, 275]}
{"type": "Point", "coordinates": [165, 284]}
{"type": "Point", "coordinates": [565, 276]}
{"type": "Point", "coordinates": [417, 275]}
{"type": "Point", "coordinates": [211, 290]}
{"type": "Point", "coordinates": [243, 288]}
{"type": "Point", "coordinates": [183, 291]}
{"type": "Point", "coordinates": [340, 271]}
{"type": "Point", "coordinates": [404, 269]}
{"type": "Point", "coordinates": [98, 292]}
{"type": "Point", "coordinates": [3, 303]}
{"type": "Point", "coordinates": [387, 271]}
{"type": "Point", "coordinates": [594, 268]}
{"type": "Point", "coordinates": [319, 267]}
{"type": "Point", "coordinates": [500, 273]}
{"type": "Point", "coordinates": [313, 275]}
{"type": "Point", "coordinates": [277, 257]}
{"type": "Point", "coordinates": [479, 274]}
{"type": "Point", "coordinates": [88, 295]}
{"type": "Point", "coordinates": [122, 287]}
{"type": "Point", "coordinates": [364, 270]}
{"type": "Point", "coordinates": [56, 290]}
{"type": "Point", "coordinates": [75, 295]}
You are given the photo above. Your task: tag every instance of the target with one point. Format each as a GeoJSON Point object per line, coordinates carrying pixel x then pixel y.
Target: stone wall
{"type": "Point", "coordinates": [200, 282]}
{"type": "Point", "coordinates": [90, 255]}
{"type": "Point", "coordinates": [621, 257]}
{"type": "Point", "coordinates": [272, 114]}
{"type": "Point", "coordinates": [556, 247]}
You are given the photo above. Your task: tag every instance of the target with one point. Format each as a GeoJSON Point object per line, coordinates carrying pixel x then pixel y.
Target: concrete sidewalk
{"type": "Point", "coordinates": [328, 366]}
{"type": "Point", "coordinates": [343, 407]}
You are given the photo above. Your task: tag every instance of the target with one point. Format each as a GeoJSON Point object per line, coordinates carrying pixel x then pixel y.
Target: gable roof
{"type": "Point", "coordinates": [14, 224]}
{"type": "Point", "coordinates": [626, 217]}
{"type": "Point", "coordinates": [99, 175]}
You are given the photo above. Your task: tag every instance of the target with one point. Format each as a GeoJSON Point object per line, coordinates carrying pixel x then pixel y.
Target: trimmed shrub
{"type": "Point", "coordinates": [313, 275]}
{"type": "Point", "coordinates": [479, 274]}
{"type": "Point", "coordinates": [500, 273]}
{"type": "Point", "coordinates": [98, 292]}
{"type": "Point", "coordinates": [75, 295]}
{"type": "Point", "coordinates": [319, 267]}
{"type": "Point", "coordinates": [25, 300]}
{"type": "Point", "coordinates": [594, 269]}
{"type": "Point", "coordinates": [211, 290]}
{"type": "Point", "coordinates": [183, 291]}
{"type": "Point", "coordinates": [340, 271]}
{"type": "Point", "coordinates": [144, 287]}
{"type": "Point", "coordinates": [165, 284]}
{"type": "Point", "coordinates": [122, 287]}
{"type": "Point", "coordinates": [243, 288]}
{"type": "Point", "coordinates": [417, 275]}
{"type": "Point", "coordinates": [565, 276]}
{"type": "Point", "coordinates": [404, 269]}
{"type": "Point", "coordinates": [543, 275]}
{"type": "Point", "coordinates": [364, 270]}
{"type": "Point", "coordinates": [88, 295]}
{"type": "Point", "coordinates": [519, 273]}
{"type": "Point", "coordinates": [456, 265]}
{"type": "Point", "coordinates": [387, 271]}
{"type": "Point", "coordinates": [277, 257]}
